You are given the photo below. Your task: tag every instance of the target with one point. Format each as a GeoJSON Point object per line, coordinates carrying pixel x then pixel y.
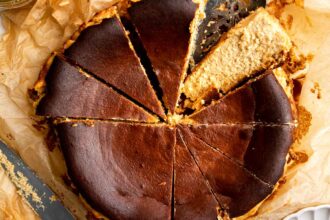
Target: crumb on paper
{"type": "Point", "coordinates": [316, 90]}
{"type": "Point", "coordinates": [289, 22]}
{"type": "Point", "coordinates": [21, 182]}
{"type": "Point", "coordinates": [222, 7]}
{"type": "Point", "coordinates": [304, 122]}
{"type": "Point", "coordinates": [298, 157]}
{"type": "Point", "coordinates": [10, 137]}
{"type": "Point", "coordinates": [53, 198]}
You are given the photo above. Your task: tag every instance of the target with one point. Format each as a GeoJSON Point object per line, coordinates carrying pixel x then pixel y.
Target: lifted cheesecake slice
{"type": "Point", "coordinates": [105, 51]}
{"type": "Point", "coordinates": [74, 94]}
{"type": "Point", "coordinates": [256, 43]}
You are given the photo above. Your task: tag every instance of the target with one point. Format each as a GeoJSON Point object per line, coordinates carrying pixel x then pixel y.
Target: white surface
{"type": "Point", "coordinates": [312, 213]}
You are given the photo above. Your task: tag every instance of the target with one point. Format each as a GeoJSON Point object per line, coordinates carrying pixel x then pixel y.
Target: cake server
{"type": "Point", "coordinates": [41, 198]}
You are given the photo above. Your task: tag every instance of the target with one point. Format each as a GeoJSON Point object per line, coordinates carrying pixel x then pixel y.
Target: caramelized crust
{"type": "Point", "coordinates": [237, 190]}
{"type": "Point", "coordinates": [70, 93]}
{"type": "Point", "coordinates": [261, 100]}
{"type": "Point", "coordinates": [163, 27]}
{"type": "Point", "coordinates": [193, 197]}
{"type": "Point", "coordinates": [105, 51]}
{"type": "Point", "coordinates": [260, 149]}
{"type": "Point", "coordinates": [124, 170]}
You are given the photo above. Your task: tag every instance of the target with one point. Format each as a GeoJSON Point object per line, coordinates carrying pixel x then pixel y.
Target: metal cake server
{"type": "Point", "coordinates": [46, 205]}
{"type": "Point", "coordinates": [220, 16]}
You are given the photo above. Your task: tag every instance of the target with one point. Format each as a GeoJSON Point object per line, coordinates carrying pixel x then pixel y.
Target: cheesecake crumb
{"type": "Point", "coordinates": [24, 189]}
{"type": "Point", "coordinates": [304, 122]}
{"type": "Point", "coordinates": [174, 119]}
{"type": "Point", "coordinates": [317, 90]}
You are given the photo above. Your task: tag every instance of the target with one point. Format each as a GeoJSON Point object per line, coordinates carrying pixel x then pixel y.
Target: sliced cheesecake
{"type": "Point", "coordinates": [167, 32]}
{"type": "Point", "coordinates": [261, 100]}
{"type": "Point", "coordinates": [123, 170]}
{"type": "Point", "coordinates": [105, 51]}
{"type": "Point", "coordinates": [74, 94]}
{"type": "Point", "coordinates": [256, 43]}
{"type": "Point", "coordinates": [236, 189]}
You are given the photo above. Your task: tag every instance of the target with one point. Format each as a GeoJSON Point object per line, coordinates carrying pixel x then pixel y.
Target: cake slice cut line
{"type": "Point", "coordinates": [89, 74]}
{"type": "Point", "coordinates": [73, 93]}
{"type": "Point", "coordinates": [163, 27]}
{"type": "Point", "coordinates": [108, 41]}
{"type": "Point", "coordinates": [189, 122]}
{"type": "Point", "coordinates": [261, 99]}
{"type": "Point", "coordinates": [260, 149]}
{"type": "Point", "coordinates": [205, 179]}
{"type": "Point", "coordinates": [223, 194]}
{"type": "Point", "coordinates": [94, 120]}
{"type": "Point", "coordinates": [233, 160]}
{"type": "Point", "coordinates": [144, 59]}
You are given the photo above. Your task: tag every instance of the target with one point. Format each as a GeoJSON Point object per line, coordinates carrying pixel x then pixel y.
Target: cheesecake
{"type": "Point", "coordinates": [124, 170]}
{"type": "Point", "coordinates": [235, 188]}
{"type": "Point", "coordinates": [104, 50]}
{"type": "Point", "coordinates": [167, 31]}
{"type": "Point", "coordinates": [262, 99]}
{"type": "Point", "coordinates": [134, 149]}
{"type": "Point", "coordinates": [74, 94]}
{"type": "Point", "coordinates": [255, 44]}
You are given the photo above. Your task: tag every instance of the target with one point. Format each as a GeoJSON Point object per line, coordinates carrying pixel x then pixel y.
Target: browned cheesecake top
{"type": "Point", "coordinates": [163, 27]}
{"type": "Point", "coordinates": [251, 146]}
{"type": "Point", "coordinates": [105, 50]}
{"type": "Point", "coordinates": [236, 189]}
{"type": "Point", "coordinates": [72, 94]}
{"type": "Point", "coordinates": [124, 170]}
{"type": "Point", "coordinates": [225, 158]}
{"type": "Point", "coordinates": [193, 198]}
{"type": "Point", "coordinates": [262, 100]}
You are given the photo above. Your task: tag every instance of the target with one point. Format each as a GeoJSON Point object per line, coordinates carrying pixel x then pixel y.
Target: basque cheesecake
{"type": "Point", "coordinates": [154, 127]}
{"type": "Point", "coordinates": [256, 43]}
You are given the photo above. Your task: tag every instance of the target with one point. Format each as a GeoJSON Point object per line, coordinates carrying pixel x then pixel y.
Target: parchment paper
{"type": "Point", "coordinates": [34, 31]}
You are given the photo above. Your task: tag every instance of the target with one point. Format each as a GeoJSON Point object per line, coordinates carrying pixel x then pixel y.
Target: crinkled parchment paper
{"type": "Point", "coordinates": [34, 31]}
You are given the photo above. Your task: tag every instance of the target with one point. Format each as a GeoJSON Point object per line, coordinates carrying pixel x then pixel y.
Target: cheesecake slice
{"type": "Point", "coordinates": [256, 43]}
{"type": "Point", "coordinates": [193, 198]}
{"type": "Point", "coordinates": [105, 51]}
{"type": "Point", "coordinates": [261, 100]}
{"type": "Point", "coordinates": [165, 29]}
{"type": "Point", "coordinates": [260, 149]}
{"type": "Point", "coordinates": [236, 189]}
{"type": "Point", "coordinates": [72, 93]}
{"type": "Point", "coordinates": [220, 16]}
{"type": "Point", "coordinates": [123, 170]}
